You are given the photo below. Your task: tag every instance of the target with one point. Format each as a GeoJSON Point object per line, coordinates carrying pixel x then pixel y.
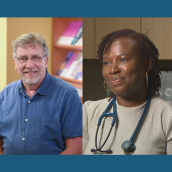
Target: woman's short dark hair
{"type": "Point", "coordinates": [147, 51]}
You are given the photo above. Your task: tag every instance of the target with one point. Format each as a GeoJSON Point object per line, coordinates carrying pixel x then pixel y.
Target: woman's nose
{"type": "Point", "coordinates": [114, 68]}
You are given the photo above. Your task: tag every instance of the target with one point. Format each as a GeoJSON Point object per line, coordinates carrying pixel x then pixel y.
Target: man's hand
{"type": "Point", "coordinates": [1, 149]}
{"type": "Point", "coordinates": [73, 146]}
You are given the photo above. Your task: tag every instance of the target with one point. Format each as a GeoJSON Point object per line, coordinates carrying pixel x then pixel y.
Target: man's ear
{"type": "Point", "coordinates": [15, 64]}
{"type": "Point", "coordinates": [46, 62]}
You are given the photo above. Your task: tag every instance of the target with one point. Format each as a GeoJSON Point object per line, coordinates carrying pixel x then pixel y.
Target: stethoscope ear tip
{"type": "Point", "coordinates": [93, 150]}
{"type": "Point", "coordinates": [109, 151]}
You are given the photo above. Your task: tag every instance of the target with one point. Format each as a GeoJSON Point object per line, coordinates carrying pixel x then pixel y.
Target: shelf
{"type": "Point", "coordinates": [59, 52]}
{"type": "Point", "coordinates": [69, 47]}
{"type": "Point", "coordinates": [74, 82]}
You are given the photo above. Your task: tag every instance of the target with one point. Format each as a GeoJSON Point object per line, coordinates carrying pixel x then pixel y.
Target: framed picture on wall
{"type": "Point", "coordinates": [166, 80]}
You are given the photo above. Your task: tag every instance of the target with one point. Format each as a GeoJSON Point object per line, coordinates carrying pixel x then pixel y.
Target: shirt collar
{"type": "Point", "coordinates": [42, 88]}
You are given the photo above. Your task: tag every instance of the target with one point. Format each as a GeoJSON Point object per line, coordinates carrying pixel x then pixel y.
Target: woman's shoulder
{"type": "Point", "coordinates": [97, 103]}
{"type": "Point", "coordinates": [158, 102]}
{"type": "Point", "coordinates": [92, 110]}
{"type": "Point", "coordinates": [161, 107]}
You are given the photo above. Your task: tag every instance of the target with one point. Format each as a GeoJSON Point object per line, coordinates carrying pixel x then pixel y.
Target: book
{"type": "Point", "coordinates": [63, 38]}
{"type": "Point", "coordinates": [71, 71]}
{"type": "Point", "coordinates": [79, 71]}
{"type": "Point", "coordinates": [77, 36]}
{"type": "Point", "coordinates": [65, 70]}
{"type": "Point", "coordinates": [69, 33]}
{"type": "Point", "coordinates": [73, 32]}
{"type": "Point", "coordinates": [79, 42]}
{"type": "Point", "coordinates": [64, 63]}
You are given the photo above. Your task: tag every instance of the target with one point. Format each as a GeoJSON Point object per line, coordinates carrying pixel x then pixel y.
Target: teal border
{"type": "Point", "coordinates": [82, 163]}
{"type": "Point", "coordinates": [89, 8]}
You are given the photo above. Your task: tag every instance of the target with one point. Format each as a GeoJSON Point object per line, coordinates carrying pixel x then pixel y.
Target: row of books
{"type": "Point", "coordinates": [71, 66]}
{"type": "Point", "coordinates": [72, 34]}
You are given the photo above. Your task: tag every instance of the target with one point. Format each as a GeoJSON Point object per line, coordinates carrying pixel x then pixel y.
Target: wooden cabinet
{"type": "Point", "coordinates": [104, 26]}
{"type": "Point", "coordinates": [88, 38]}
{"type": "Point", "coordinates": [96, 28]}
{"type": "Point", "coordinates": [159, 30]}
{"type": "Point", "coordinates": [59, 52]}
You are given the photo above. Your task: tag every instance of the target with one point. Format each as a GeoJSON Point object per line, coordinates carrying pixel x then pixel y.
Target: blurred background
{"type": "Point", "coordinates": [90, 84]}
{"type": "Point", "coordinates": [51, 29]}
{"type": "Point", "coordinates": [159, 31]}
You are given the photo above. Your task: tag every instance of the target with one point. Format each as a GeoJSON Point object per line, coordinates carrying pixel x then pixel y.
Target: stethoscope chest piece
{"type": "Point", "coordinates": [128, 147]}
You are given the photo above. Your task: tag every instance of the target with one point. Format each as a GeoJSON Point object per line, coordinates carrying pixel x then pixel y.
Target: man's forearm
{"type": "Point", "coordinates": [73, 146]}
{"type": "Point", "coordinates": [1, 149]}
{"type": "Point", "coordinates": [71, 152]}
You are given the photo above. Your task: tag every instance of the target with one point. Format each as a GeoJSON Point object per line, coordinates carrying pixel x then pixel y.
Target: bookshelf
{"type": "Point", "coordinates": [59, 52]}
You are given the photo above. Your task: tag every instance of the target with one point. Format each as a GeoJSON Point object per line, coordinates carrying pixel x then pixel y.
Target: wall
{"type": "Point", "coordinates": [19, 26]}
{"type": "Point", "coordinates": [3, 52]}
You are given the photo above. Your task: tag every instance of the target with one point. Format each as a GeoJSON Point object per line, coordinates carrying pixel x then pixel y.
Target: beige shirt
{"type": "Point", "coordinates": [154, 135]}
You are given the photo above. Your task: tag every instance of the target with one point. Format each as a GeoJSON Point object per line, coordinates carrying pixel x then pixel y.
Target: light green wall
{"type": "Point", "coordinates": [3, 53]}
{"type": "Point", "coordinates": [10, 28]}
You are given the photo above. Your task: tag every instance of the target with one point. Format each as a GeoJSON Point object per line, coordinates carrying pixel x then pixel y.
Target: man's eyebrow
{"type": "Point", "coordinates": [23, 55]}
{"type": "Point", "coordinates": [35, 55]}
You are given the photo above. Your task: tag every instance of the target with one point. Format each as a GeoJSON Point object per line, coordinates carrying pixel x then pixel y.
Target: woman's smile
{"type": "Point", "coordinates": [123, 69]}
{"type": "Point", "coordinates": [116, 80]}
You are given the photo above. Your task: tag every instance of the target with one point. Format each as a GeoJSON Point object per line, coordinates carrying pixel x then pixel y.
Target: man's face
{"type": "Point", "coordinates": [32, 72]}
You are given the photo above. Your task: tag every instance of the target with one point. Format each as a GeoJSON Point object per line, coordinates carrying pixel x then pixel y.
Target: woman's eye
{"type": "Point", "coordinates": [122, 60]}
{"type": "Point", "coordinates": [105, 63]}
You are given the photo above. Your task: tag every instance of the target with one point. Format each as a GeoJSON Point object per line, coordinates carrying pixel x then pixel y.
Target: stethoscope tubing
{"type": "Point", "coordinates": [139, 123]}
{"type": "Point", "coordinates": [114, 114]}
{"type": "Point", "coordinates": [104, 141]}
{"type": "Point", "coordinates": [109, 114]}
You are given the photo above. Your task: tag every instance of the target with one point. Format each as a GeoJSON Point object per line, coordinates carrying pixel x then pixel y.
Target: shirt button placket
{"type": "Point", "coordinates": [23, 138]}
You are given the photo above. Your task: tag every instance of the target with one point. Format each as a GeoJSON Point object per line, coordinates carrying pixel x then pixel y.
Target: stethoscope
{"type": "Point", "coordinates": [127, 146]}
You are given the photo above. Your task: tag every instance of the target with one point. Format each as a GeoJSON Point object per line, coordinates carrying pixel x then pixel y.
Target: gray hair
{"type": "Point", "coordinates": [32, 39]}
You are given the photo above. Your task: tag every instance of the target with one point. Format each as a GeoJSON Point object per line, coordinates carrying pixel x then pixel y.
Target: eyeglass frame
{"type": "Point", "coordinates": [30, 58]}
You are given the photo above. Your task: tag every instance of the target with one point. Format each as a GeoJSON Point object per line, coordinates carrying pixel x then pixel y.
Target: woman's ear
{"type": "Point", "coordinates": [149, 66]}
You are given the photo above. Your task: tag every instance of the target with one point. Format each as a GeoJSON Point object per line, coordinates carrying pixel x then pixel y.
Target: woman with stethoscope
{"type": "Point", "coordinates": [133, 120]}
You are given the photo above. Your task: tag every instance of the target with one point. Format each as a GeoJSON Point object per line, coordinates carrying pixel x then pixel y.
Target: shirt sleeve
{"type": "Point", "coordinates": [85, 127]}
{"type": "Point", "coordinates": [1, 100]}
{"type": "Point", "coordinates": [167, 127]}
{"type": "Point", "coordinates": [71, 120]}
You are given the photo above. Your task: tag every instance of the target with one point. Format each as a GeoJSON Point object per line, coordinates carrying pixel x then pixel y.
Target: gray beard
{"type": "Point", "coordinates": [30, 81]}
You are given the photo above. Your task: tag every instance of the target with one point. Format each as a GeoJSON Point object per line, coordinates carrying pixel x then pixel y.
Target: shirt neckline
{"type": "Point", "coordinates": [42, 88]}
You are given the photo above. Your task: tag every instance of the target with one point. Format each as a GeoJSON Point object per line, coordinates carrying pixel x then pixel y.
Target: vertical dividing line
{"type": "Point", "coordinates": [140, 24]}
{"type": "Point", "coordinates": [94, 37]}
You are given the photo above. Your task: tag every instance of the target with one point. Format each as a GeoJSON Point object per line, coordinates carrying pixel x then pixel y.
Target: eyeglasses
{"type": "Point", "coordinates": [25, 59]}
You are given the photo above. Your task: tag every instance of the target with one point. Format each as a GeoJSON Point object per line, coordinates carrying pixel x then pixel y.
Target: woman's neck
{"type": "Point", "coordinates": [132, 101]}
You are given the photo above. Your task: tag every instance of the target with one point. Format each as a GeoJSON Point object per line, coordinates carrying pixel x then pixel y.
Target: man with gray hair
{"type": "Point", "coordinates": [39, 114]}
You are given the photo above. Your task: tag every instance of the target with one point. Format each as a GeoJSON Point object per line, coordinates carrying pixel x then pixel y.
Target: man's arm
{"type": "Point", "coordinates": [73, 146]}
{"type": "Point", "coordinates": [1, 149]}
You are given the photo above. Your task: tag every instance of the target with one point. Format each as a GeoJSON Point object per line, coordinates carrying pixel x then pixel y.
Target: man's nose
{"type": "Point", "coordinates": [29, 63]}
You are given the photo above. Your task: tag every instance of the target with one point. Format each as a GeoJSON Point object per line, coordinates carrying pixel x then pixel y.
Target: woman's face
{"type": "Point", "coordinates": [123, 69]}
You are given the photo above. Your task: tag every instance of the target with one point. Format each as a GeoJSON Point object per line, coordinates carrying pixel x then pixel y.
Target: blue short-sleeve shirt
{"type": "Point", "coordinates": [40, 124]}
